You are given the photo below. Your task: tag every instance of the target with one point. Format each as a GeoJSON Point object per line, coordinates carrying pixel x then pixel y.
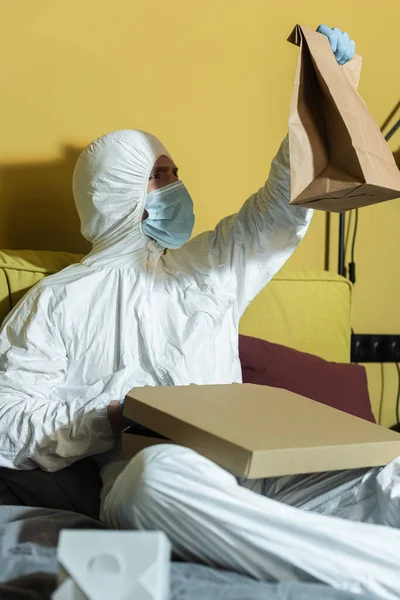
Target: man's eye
{"type": "Point", "coordinates": [154, 176]}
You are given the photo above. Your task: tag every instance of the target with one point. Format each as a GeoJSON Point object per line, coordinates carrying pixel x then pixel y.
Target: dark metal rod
{"type": "Point", "coordinates": [341, 265]}
{"type": "Point", "coordinates": [392, 131]}
{"type": "Point", "coordinates": [390, 117]}
{"type": "Point", "coordinates": [327, 240]}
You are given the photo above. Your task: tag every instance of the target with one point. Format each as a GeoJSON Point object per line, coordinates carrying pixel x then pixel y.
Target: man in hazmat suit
{"type": "Point", "coordinates": [149, 307]}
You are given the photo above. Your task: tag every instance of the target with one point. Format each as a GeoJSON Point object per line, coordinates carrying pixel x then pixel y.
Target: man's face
{"type": "Point", "coordinates": [163, 173]}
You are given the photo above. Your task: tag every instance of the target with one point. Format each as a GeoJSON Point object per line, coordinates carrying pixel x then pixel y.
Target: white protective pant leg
{"type": "Point", "coordinates": [209, 518]}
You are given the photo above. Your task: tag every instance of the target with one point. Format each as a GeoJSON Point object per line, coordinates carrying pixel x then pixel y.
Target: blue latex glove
{"type": "Point", "coordinates": [342, 46]}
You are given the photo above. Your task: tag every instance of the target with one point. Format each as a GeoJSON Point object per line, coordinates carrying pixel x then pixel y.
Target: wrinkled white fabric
{"type": "Point", "coordinates": [209, 518]}
{"type": "Point", "coordinates": [130, 315]}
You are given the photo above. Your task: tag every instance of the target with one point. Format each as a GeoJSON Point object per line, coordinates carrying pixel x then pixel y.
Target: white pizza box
{"type": "Point", "coordinates": [99, 565]}
{"type": "Point", "coordinates": [258, 431]}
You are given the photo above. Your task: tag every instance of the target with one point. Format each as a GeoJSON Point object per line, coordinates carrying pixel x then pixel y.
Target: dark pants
{"type": "Point", "coordinates": [76, 488]}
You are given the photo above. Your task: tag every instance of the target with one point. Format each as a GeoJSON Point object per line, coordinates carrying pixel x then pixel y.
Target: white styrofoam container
{"type": "Point", "coordinates": [99, 565]}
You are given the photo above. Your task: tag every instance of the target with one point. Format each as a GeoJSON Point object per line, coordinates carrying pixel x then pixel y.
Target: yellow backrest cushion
{"type": "Point", "coordinates": [21, 269]}
{"type": "Point", "coordinates": [306, 310]}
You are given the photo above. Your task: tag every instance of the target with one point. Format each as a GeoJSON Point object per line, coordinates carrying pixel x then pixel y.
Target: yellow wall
{"type": "Point", "coordinates": [213, 80]}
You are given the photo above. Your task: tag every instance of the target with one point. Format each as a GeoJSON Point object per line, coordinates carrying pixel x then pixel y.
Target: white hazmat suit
{"type": "Point", "coordinates": [130, 315]}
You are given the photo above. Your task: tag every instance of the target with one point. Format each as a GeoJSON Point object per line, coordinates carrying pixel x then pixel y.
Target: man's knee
{"type": "Point", "coordinates": [157, 482]}
{"type": "Point", "coordinates": [142, 485]}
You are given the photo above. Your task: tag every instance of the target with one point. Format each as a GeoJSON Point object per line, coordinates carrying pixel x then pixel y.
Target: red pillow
{"type": "Point", "coordinates": [342, 386]}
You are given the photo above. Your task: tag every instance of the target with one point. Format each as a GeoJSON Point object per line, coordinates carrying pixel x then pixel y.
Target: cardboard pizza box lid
{"type": "Point", "coordinates": [258, 431]}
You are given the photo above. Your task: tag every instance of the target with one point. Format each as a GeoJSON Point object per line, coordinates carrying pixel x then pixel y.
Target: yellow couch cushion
{"type": "Point", "coordinates": [306, 310]}
{"type": "Point", "coordinates": [21, 269]}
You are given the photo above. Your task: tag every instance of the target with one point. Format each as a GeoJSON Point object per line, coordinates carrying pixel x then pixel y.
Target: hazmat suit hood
{"type": "Point", "coordinates": [110, 185]}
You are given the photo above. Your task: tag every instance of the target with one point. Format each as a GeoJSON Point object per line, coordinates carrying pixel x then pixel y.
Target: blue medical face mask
{"type": "Point", "coordinates": [171, 218]}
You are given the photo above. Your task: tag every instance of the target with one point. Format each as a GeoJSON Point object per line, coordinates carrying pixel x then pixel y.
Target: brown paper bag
{"type": "Point", "coordinates": [338, 156]}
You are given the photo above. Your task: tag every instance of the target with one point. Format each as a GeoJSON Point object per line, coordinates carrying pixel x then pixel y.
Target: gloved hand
{"type": "Point", "coordinates": [342, 46]}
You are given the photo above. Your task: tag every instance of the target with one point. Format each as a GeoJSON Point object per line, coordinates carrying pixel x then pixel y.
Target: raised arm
{"type": "Point", "coordinates": [257, 241]}
{"type": "Point", "coordinates": [247, 249]}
